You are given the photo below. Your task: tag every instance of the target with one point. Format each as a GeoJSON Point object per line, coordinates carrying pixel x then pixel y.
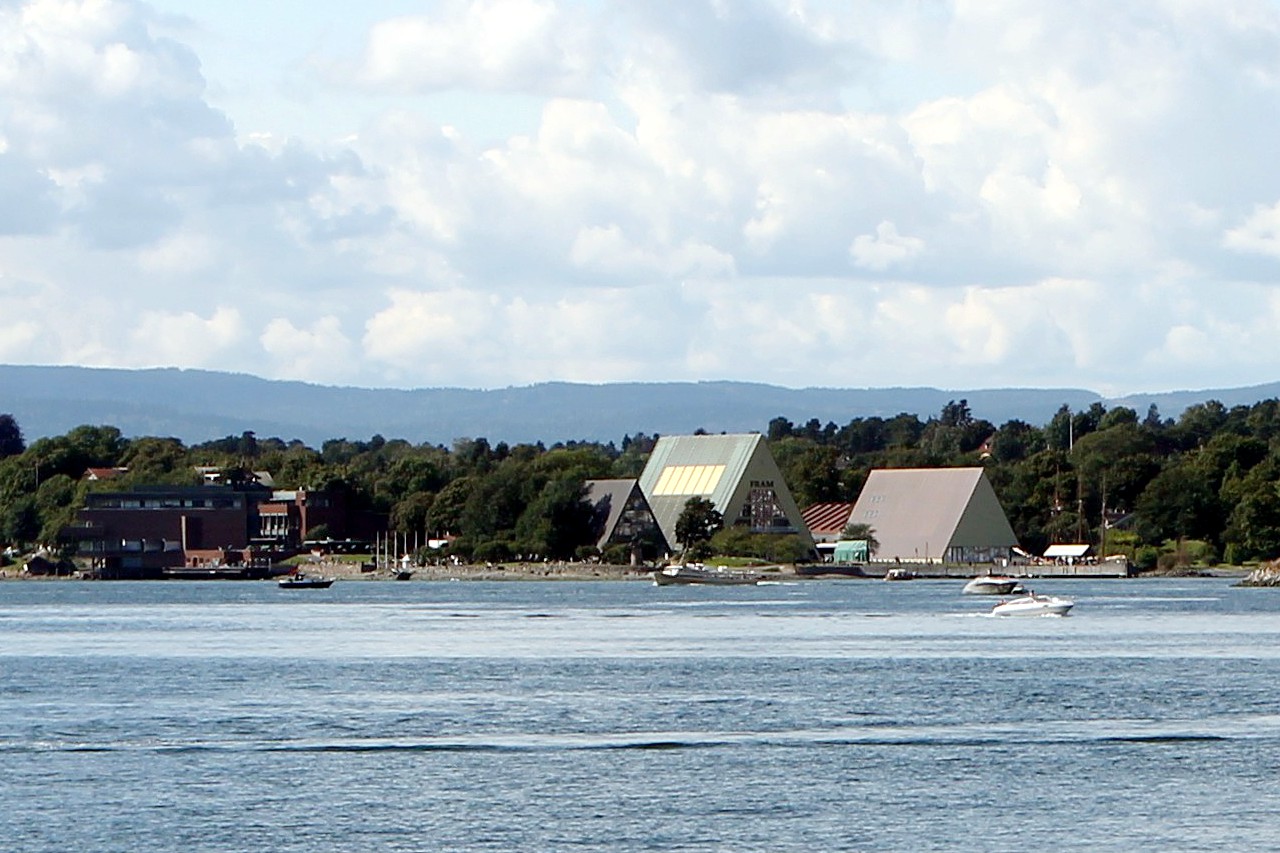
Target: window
{"type": "Point", "coordinates": [688, 479]}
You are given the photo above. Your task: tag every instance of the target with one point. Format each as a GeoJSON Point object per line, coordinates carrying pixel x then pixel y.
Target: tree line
{"type": "Point", "coordinates": [1204, 486]}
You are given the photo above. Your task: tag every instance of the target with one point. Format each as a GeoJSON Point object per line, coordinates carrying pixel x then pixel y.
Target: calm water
{"type": "Point", "coordinates": [825, 715]}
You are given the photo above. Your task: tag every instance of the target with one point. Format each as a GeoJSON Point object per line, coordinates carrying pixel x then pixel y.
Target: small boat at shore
{"type": "Point", "coordinates": [696, 573]}
{"type": "Point", "coordinates": [1032, 604]}
{"type": "Point", "coordinates": [899, 575]}
{"type": "Point", "coordinates": [993, 585]}
{"type": "Point", "coordinates": [304, 581]}
{"type": "Point", "coordinates": [813, 570]}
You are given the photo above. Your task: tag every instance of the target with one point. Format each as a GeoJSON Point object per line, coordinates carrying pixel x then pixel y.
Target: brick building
{"type": "Point", "coordinates": [162, 531]}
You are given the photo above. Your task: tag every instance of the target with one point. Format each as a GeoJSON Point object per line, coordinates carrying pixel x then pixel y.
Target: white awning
{"type": "Point", "coordinates": [1054, 551]}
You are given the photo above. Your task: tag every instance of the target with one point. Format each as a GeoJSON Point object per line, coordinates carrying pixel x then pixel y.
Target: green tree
{"type": "Point", "coordinates": [1120, 459]}
{"type": "Point", "coordinates": [413, 512]}
{"type": "Point", "coordinates": [698, 522]}
{"type": "Point", "coordinates": [497, 501]}
{"type": "Point", "coordinates": [157, 460]}
{"type": "Point", "coordinates": [445, 514]}
{"type": "Point", "coordinates": [1015, 441]}
{"type": "Point", "coordinates": [1253, 531]}
{"type": "Point", "coordinates": [811, 470]}
{"type": "Point", "coordinates": [55, 502]}
{"type": "Point", "coordinates": [11, 443]}
{"type": "Point", "coordinates": [20, 520]}
{"type": "Point", "coordinates": [1199, 423]}
{"type": "Point", "coordinates": [558, 521]}
{"type": "Point", "coordinates": [857, 530]}
{"type": "Point", "coordinates": [1178, 504]}
{"type": "Point", "coordinates": [1059, 433]}
{"type": "Point", "coordinates": [779, 428]}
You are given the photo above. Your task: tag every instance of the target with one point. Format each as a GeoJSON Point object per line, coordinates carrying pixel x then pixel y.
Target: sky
{"type": "Point", "coordinates": [494, 193]}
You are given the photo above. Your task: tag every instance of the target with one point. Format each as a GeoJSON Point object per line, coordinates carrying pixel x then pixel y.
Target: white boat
{"type": "Point", "coordinates": [1032, 604]}
{"type": "Point", "coordinates": [993, 585]}
{"type": "Point", "coordinates": [698, 573]}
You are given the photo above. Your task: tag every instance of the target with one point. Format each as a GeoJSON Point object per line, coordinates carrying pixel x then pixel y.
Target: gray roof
{"type": "Point", "coordinates": [613, 496]}
{"type": "Point", "coordinates": [723, 469]}
{"type": "Point", "coordinates": [918, 513]}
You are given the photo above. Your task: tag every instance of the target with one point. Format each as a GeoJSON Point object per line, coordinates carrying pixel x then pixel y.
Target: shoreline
{"type": "Point", "coordinates": [532, 572]}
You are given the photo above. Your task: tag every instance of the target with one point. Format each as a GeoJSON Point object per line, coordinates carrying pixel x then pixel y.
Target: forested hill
{"type": "Point", "coordinates": [198, 405]}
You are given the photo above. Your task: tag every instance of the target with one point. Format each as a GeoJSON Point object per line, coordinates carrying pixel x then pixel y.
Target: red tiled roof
{"type": "Point", "coordinates": [828, 517]}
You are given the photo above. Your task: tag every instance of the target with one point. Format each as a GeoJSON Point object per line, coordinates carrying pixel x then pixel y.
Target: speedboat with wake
{"type": "Point", "coordinates": [993, 585]}
{"type": "Point", "coordinates": [1033, 604]}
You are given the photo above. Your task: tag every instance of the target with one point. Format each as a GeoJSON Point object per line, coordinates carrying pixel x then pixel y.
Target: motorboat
{"type": "Point", "coordinates": [304, 581]}
{"type": "Point", "coordinates": [1033, 604]}
{"type": "Point", "coordinates": [696, 573]}
{"type": "Point", "coordinates": [899, 575]}
{"type": "Point", "coordinates": [993, 585]}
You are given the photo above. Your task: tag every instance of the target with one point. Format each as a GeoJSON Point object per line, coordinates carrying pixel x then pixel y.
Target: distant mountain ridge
{"type": "Point", "coordinates": [198, 405]}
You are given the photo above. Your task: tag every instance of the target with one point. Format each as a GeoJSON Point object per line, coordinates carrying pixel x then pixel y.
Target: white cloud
{"type": "Point", "coordinates": [885, 248]}
{"type": "Point", "coordinates": [160, 338]}
{"type": "Point", "coordinates": [1260, 233]}
{"type": "Point", "coordinates": [321, 352]}
{"type": "Point", "coordinates": [178, 254]}
{"type": "Point", "coordinates": [594, 337]}
{"type": "Point", "coordinates": [747, 48]}
{"type": "Point", "coordinates": [805, 193]}
{"type": "Point", "coordinates": [606, 250]}
{"type": "Point", "coordinates": [515, 45]}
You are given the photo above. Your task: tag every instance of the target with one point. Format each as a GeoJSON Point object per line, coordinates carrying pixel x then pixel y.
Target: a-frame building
{"type": "Point", "coordinates": [737, 473]}
{"type": "Point", "coordinates": [622, 516]}
{"type": "Point", "coordinates": [934, 515]}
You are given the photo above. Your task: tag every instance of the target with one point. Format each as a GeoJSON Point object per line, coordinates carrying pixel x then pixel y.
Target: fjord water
{"type": "Point", "coordinates": [823, 715]}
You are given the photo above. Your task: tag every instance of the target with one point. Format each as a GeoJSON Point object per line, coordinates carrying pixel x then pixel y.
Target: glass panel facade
{"type": "Point", "coordinates": [688, 480]}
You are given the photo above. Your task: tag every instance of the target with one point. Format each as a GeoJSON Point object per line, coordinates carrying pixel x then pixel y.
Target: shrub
{"type": "Point", "coordinates": [461, 548]}
{"type": "Point", "coordinates": [1145, 557]}
{"type": "Point", "coordinates": [700, 551]}
{"type": "Point", "coordinates": [771, 547]}
{"type": "Point", "coordinates": [1198, 552]}
{"type": "Point", "coordinates": [617, 555]}
{"type": "Point", "coordinates": [494, 551]}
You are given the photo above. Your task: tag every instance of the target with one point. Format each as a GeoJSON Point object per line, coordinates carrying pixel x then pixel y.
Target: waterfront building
{"type": "Point", "coordinates": [826, 521]}
{"type": "Point", "coordinates": [152, 531]}
{"type": "Point", "coordinates": [934, 515]}
{"type": "Point", "coordinates": [623, 517]}
{"type": "Point", "coordinates": [736, 473]}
